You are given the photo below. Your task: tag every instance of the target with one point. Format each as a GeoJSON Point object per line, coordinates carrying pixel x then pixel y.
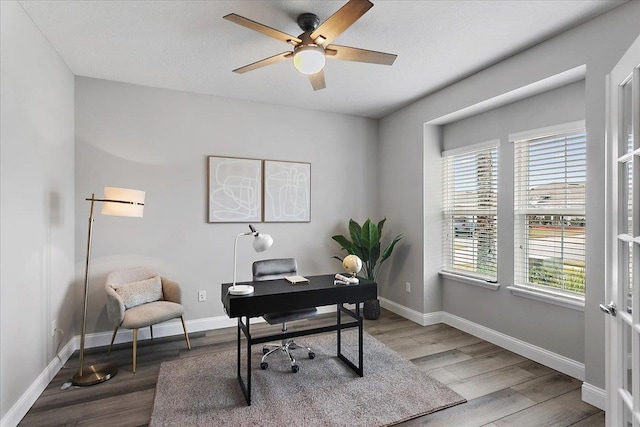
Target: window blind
{"type": "Point", "coordinates": [549, 186]}
{"type": "Point", "coordinates": [470, 201]}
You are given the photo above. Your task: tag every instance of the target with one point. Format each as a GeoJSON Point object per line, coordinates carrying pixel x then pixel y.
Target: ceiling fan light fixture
{"type": "Point", "coordinates": [314, 44]}
{"type": "Point", "coordinates": [309, 59]}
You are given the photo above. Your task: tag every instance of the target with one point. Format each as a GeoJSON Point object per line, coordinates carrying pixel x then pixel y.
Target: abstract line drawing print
{"type": "Point", "coordinates": [235, 189]}
{"type": "Point", "coordinates": [287, 191]}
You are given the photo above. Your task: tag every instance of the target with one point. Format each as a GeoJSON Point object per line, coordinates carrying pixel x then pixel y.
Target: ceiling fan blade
{"type": "Point", "coordinates": [263, 29]}
{"type": "Point", "coordinates": [340, 21]}
{"type": "Point", "coordinates": [264, 62]}
{"type": "Point", "coordinates": [317, 80]}
{"type": "Point", "coordinates": [347, 53]}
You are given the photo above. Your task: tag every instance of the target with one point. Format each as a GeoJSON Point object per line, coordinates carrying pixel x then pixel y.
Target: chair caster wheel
{"type": "Point", "coordinates": [312, 355]}
{"type": "Point", "coordinates": [264, 365]}
{"type": "Point", "coordinates": [265, 350]}
{"type": "Point", "coordinates": [295, 368]}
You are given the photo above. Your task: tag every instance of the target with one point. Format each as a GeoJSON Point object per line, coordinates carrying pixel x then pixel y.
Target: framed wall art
{"type": "Point", "coordinates": [235, 189]}
{"type": "Point", "coordinates": [287, 191]}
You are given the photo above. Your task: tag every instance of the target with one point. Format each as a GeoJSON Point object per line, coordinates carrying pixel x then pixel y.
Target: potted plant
{"type": "Point", "coordinates": [365, 244]}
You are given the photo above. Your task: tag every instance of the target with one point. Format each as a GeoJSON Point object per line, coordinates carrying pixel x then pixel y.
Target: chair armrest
{"type": "Point", "coordinates": [171, 290]}
{"type": "Point", "coordinates": [115, 306]}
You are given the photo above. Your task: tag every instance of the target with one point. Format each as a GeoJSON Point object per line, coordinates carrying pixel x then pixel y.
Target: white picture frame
{"type": "Point", "coordinates": [234, 189]}
{"type": "Point", "coordinates": [287, 191]}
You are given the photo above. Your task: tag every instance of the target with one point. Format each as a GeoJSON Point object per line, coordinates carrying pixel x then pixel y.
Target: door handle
{"type": "Point", "coordinates": [610, 308]}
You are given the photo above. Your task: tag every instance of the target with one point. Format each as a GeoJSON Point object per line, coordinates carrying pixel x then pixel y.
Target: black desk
{"type": "Point", "coordinates": [274, 296]}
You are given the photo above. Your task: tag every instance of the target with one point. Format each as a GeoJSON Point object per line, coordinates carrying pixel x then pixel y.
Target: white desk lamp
{"type": "Point", "coordinates": [261, 242]}
{"type": "Point", "coordinates": [118, 202]}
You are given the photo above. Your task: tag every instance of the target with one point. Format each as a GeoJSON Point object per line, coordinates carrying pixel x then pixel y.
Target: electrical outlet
{"type": "Point", "coordinates": [202, 296]}
{"type": "Point", "coordinates": [407, 286]}
{"type": "Point", "coordinates": [54, 326]}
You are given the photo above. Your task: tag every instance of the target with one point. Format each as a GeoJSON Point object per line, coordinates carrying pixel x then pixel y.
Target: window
{"type": "Point", "coordinates": [469, 217]}
{"type": "Point", "coordinates": [549, 216]}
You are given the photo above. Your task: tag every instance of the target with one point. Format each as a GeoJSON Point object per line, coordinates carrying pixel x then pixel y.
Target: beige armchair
{"type": "Point", "coordinates": [138, 297]}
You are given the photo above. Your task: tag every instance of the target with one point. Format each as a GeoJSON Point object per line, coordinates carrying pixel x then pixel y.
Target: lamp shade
{"type": "Point", "coordinates": [123, 202]}
{"type": "Point", "coordinates": [309, 59]}
{"type": "Point", "coordinates": [262, 242]}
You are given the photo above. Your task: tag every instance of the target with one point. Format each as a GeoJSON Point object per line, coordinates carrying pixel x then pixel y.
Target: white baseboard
{"type": "Point", "coordinates": [530, 351]}
{"type": "Point", "coordinates": [168, 329]}
{"type": "Point", "coordinates": [558, 362]}
{"type": "Point", "coordinates": [590, 394]}
{"type": "Point", "coordinates": [594, 396]}
{"type": "Point", "coordinates": [410, 314]}
{"type": "Point", "coordinates": [171, 328]}
{"type": "Point", "coordinates": [22, 406]}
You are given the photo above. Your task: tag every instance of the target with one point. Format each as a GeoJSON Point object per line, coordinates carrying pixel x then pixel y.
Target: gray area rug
{"type": "Point", "coordinates": [204, 390]}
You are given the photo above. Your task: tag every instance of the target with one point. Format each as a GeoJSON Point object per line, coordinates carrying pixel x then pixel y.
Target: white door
{"type": "Point", "coordinates": [623, 242]}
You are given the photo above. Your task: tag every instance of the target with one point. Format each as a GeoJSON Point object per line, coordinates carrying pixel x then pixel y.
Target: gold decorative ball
{"type": "Point", "coordinates": [352, 264]}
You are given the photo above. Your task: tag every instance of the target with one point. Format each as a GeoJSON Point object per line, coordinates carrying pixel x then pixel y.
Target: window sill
{"type": "Point", "coordinates": [548, 296]}
{"type": "Point", "coordinates": [470, 280]}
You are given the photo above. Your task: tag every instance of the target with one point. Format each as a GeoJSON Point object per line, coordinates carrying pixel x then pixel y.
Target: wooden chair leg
{"type": "Point", "coordinates": [135, 348]}
{"type": "Point", "coordinates": [113, 338]}
{"type": "Point", "coordinates": [186, 336]}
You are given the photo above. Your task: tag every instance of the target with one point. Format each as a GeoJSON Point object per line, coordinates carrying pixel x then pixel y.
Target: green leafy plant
{"type": "Point", "coordinates": [365, 244]}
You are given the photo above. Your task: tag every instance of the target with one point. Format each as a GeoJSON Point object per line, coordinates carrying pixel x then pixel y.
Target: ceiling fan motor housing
{"type": "Point", "coordinates": [308, 22]}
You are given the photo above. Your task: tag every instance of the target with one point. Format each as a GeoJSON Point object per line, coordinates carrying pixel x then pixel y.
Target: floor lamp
{"type": "Point", "coordinates": [118, 202]}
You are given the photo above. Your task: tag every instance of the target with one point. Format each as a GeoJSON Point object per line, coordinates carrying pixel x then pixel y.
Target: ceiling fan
{"type": "Point", "coordinates": [314, 45]}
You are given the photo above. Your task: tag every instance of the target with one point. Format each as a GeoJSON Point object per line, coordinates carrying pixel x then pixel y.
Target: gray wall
{"type": "Point", "coordinates": [36, 199]}
{"type": "Point", "coordinates": [500, 310]}
{"type": "Point", "coordinates": [158, 141]}
{"type": "Point", "coordinates": [598, 44]}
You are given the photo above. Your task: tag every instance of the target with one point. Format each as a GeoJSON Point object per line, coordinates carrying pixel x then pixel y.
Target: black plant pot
{"type": "Point", "coordinates": [371, 310]}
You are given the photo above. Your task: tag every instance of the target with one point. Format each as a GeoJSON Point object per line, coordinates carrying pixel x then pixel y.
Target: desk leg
{"type": "Point", "coordinates": [249, 363]}
{"type": "Point", "coordinates": [358, 369]}
{"type": "Point", "coordinates": [360, 328]}
{"type": "Point", "coordinates": [238, 345]}
{"type": "Point", "coordinates": [339, 330]}
{"type": "Point", "coordinates": [246, 388]}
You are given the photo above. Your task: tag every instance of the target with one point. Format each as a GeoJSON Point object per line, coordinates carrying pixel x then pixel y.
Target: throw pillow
{"type": "Point", "coordinates": [138, 293]}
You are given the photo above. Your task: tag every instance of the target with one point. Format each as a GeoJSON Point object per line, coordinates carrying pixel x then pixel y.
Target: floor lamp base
{"type": "Point", "coordinates": [95, 374]}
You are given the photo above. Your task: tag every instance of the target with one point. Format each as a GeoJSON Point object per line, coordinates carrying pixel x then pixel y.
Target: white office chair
{"type": "Point", "coordinates": [271, 269]}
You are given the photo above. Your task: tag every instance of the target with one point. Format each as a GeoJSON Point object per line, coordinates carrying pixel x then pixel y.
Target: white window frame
{"type": "Point", "coordinates": [521, 287]}
{"type": "Point", "coordinates": [468, 277]}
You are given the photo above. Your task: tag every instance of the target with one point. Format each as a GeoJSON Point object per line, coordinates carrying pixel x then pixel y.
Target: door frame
{"type": "Point", "coordinates": [627, 67]}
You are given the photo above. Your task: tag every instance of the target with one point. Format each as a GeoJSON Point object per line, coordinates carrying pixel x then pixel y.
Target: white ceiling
{"type": "Point", "coordinates": [186, 45]}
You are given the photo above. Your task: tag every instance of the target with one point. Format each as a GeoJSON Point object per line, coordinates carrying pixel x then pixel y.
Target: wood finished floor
{"type": "Point", "coordinates": [501, 388]}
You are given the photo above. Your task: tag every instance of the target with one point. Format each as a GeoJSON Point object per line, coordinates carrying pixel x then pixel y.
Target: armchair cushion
{"type": "Point", "coordinates": [150, 314]}
{"type": "Point", "coordinates": [141, 292]}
